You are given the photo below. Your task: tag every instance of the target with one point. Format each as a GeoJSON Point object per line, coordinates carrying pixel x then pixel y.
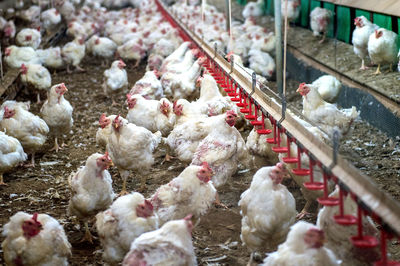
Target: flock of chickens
{"type": "Point", "coordinates": [178, 104]}
{"type": "Point", "coordinates": [369, 39]}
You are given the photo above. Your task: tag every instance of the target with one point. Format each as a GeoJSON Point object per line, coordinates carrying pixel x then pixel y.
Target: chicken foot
{"type": "Point", "coordinates": [142, 183]}
{"type": "Point", "coordinates": [363, 66]}
{"type": "Point", "coordinates": [218, 202]}
{"type": "Point", "coordinates": [80, 69]}
{"type": "Point", "coordinates": [304, 211]}
{"type": "Point", "coordinates": [88, 236]}
{"type": "Point", "coordinates": [32, 164]}
{"type": "Point", "coordinates": [323, 38]}
{"type": "Point", "coordinates": [124, 176]}
{"type": "Point", "coordinates": [38, 98]}
{"type": "Point", "coordinates": [378, 70]}
{"type": "Point", "coordinates": [56, 146]}
{"type": "Point", "coordinates": [2, 181]}
{"type": "Point", "coordinates": [254, 258]}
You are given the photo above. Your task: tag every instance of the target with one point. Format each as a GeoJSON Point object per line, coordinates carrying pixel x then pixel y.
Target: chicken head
{"type": "Point", "coordinates": [104, 121]}
{"type": "Point", "coordinates": [117, 123]}
{"type": "Point", "coordinates": [278, 173]}
{"type": "Point", "coordinates": [314, 238]}
{"type": "Point", "coordinates": [189, 224]}
{"type": "Point", "coordinates": [24, 69]}
{"type": "Point", "coordinates": [177, 108]}
{"type": "Point", "coordinates": [378, 34]}
{"type": "Point", "coordinates": [104, 162]}
{"type": "Point", "coordinates": [121, 64]}
{"type": "Point", "coordinates": [7, 51]}
{"type": "Point", "coordinates": [231, 118]}
{"type": "Point", "coordinates": [61, 89]}
{"type": "Point", "coordinates": [31, 227]}
{"type": "Point", "coordinates": [205, 173]}
{"type": "Point", "coordinates": [131, 101]}
{"type": "Point", "coordinates": [358, 22]}
{"type": "Point", "coordinates": [164, 108]}
{"type": "Point", "coordinates": [145, 209]}
{"type": "Point", "coordinates": [303, 89]}
{"type": "Point", "coordinates": [8, 113]}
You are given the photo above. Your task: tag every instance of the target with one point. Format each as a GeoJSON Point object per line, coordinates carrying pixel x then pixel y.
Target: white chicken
{"type": "Point", "coordinates": [36, 239]}
{"type": "Point", "coordinates": [131, 148]}
{"type": "Point", "coordinates": [268, 210]}
{"type": "Point", "coordinates": [293, 9]}
{"type": "Point", "coordinates": [50, 19]}
{"type": "Point", "coordinates": [364, 29]}
{"type": "Point", "coordinates": [183, 85]}
{"type": "Point", "coordinates": [186, 136]}
{"type": "Point", "coordinates": [73, 53]}
{"type": "Point", "coordinates": [328, 87]}
{"type": "Point", "coordinates": [320, 18]}
{"type": "Point", "coordinates": [132, 50]}
{"type": "Point", "coordinates": [172, 70]}
{"type": "Point", "coordinates": [211, 102]}
{"type": "Point", "coordinates": [189, 193]}
{"type": "Point", "coordinates": [149, 86]}
{"type": "Point", "coordinates": [29, 37]}
{"type": "Point", "coordinates": [126, 219]}
{"type": "Point", "coordinates": [304, 246]}
{"type": "Point", "coordinates": [104, 131]}
{"type": "Point", "coordinates": [325, 115]}
{"type": "Point", "coordinates": [51, 57]}
{"type": "Point", "coordinates": [259, 148]}
{"type": "Point", "coordinates": [151, 114]}
{"type": "Point", "coordinates": [57, 112]}
{"type": "Point", "coordinates": [9, 30]}
{"type": "Point", "coordinates": [36, 76]}
{"type": "Point", "coordinates": [102, 47]}
{"type": "Point", "coordinates": [76, 30]}
{"type": "Point", "coordinates": [175, 57]}
{"type": "Point", "coordinates": [16, 56]}
{"type": "Point", "coordinates": [115, 79]}
{"type": "Point", "coordinates": [21, 124]}
{"type": "Point", "coordinates": [11, 154]}
{"type": "Point", "coordinates": [337, 236]}
{"type": "Point", "coordinates": [91, 189]}
{"type": "Point", "coordinates": [169, 245]}
{"type": "Point", "coordinates": [223, 149]}
{"type": "Point", "coordinates": [253, 9]}
{"type": "Point", "coordinates": [382, 48]}
{"type": "Point", "coordinates": [262, 63]}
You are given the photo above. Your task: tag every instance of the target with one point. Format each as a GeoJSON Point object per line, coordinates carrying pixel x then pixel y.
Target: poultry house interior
{"type": "Point", "coordinates": [119, 145]}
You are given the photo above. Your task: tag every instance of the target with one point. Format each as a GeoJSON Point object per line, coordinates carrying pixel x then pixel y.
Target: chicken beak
{"type": "Point", "coordinates": [111, 164]}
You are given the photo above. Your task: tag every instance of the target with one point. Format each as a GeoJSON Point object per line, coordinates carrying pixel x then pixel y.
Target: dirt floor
{"type": "Point", "coordinates": [45, 189]}
{"type": "Point", "coordinates": [217, 238]}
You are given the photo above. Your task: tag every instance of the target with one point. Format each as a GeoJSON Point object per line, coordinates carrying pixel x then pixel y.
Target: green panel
{"type": "Point", "coordinates": [242, 2]}
{"type": "Point", "coordinates": [343, 23]}
{"type": "Point", "coordinates": [314, 4]}
{"type": "Point", "coordinates": [398, 32]}
{"type": "Point", "coordinates": [383, 21]}
{"type": "Point", "coordinates": [331, 30]}
{"type": "Point", "coordinates": [364, 13]}
{"type": "Point", "coordinates": [269, 4]}
{"type": "Point", "coordinates": [305, 13]}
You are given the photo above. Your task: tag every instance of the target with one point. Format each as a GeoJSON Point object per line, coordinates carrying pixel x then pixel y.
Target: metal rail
{"type": "Point", "coordinates": [373, 200]}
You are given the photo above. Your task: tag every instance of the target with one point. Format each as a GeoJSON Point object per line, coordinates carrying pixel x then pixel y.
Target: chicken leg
{"type": "Point", "coordinates": [38, 98]}
{"type": "Point", "coordinates": [32, 164]}
{"type": "Point", "coordinates": [88, 236]}
{"type": "Point", "coordinates": [56, 146]}
{"type": "Point", "coordinates": [304, 211]}
{"type": "Point", "coordinates": [124, 175]}
{"type": "Point", "coordinates": [378, 70]}
{"type": "Point", "coordinates": [2, 181]}
{"type": "Point", "coordinates": [363, 67]}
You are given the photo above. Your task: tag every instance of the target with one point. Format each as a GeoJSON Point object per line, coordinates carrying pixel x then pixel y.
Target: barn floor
{"type": "Point", "coordinates": [217, 237]}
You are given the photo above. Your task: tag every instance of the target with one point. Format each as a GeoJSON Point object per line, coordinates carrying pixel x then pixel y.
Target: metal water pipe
{"type": "Point", "coordinates": [278, 45]}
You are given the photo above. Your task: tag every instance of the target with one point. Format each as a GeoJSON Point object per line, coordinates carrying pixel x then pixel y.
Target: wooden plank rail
{"type": "Point", "coordinates": [361, 186]}
{"type": "Point", "coordinates": [8, 79]}
{"type": "Point", "coordinates": [388, 7]}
